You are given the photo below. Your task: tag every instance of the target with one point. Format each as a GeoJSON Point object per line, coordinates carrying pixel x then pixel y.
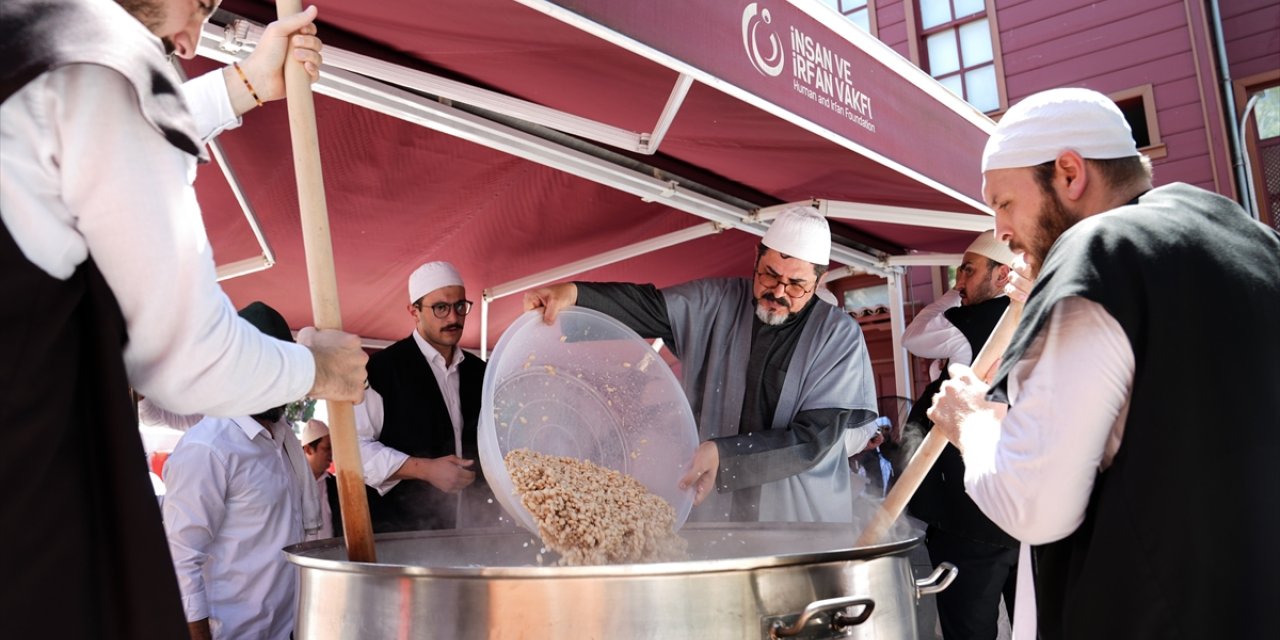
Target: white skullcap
{"type": "Point", "coordinates": [432, 276]}
{"type": "Point", "coordinates": [1045, 124]}
{"type": "Point", "coordinates": [313, 430]}
{"type": "Point", "coordinates": [986, 245]}
{"type": "Point", "coordinates": [800, 232]}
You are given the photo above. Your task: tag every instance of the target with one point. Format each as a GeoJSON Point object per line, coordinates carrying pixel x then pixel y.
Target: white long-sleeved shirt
{"type": "Point", "coordinates": [1032, 473]}
{"type": "Point", "coordinates": [233, 501]}
{"type": "Point", "coordinates": [82, 174]}
{"type": "Point", "coordinates": [931, 335]}
{"type": "Point", "coordinates": [381, 461]}
{"type": "Point", "coordinates": [210, 105]}
{"type": "Point", "coordinates": [326, 512]}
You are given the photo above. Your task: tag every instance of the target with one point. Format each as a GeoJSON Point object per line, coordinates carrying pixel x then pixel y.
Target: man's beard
{"type": "Point", "coordinates": [151, 13]}
{"type": "Point", "coordinates": [769, 317]}
{"type": "Point", "coordinates": [1054, 221]}
{"type": "Point", "coordinates": [981, 293]}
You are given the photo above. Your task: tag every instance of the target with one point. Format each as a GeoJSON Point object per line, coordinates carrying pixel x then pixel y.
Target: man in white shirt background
{"type": "Point", "coordinates": [951, 329]}
{"type": "Point", "coordinates": [318, 449]}
{"type": "Point", "coordinates": [238, 490]}
{"type": "Point", "coordinates": [1078, 446]}
{"type": "Point", "coordinates": [417, 425]}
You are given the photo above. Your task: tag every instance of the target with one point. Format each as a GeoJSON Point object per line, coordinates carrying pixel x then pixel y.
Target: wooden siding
{"type": "Point", "coordinates": [1114, 45]}
{"type": "Point", "coordinates": [891, 25]}
{"type": "Point", "coordinates": [1251, 29]}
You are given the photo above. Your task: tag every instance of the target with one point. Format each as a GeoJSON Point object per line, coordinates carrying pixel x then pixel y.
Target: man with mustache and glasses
{"type": "Point", "coordinates": [238, 490]}
{"type": "Point", "coordinates": [110, 283]}
{"type": "Point", "coordinates": [417, 425]}
{"type": "Point", "coordinates": [774, 376]}
{"type": "Point", "coordinates": [1078, 448]}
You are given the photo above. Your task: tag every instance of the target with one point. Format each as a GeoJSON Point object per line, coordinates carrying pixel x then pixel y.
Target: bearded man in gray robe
{"type": "Point", "coordinates": [774, 375]}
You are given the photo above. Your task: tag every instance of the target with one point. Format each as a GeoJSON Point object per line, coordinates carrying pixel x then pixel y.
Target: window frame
{"type": "Point", "coordinates": [1243, 88]}
{"type": "Point", "coordinates": [872, 27]}
{"type": "Point", "coordinates": [918, 50]}
{"type": "Point", "coordinates": [1156, 149]}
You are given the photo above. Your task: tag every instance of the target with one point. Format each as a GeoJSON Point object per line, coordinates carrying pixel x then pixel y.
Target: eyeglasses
{"type": "Point", "coordinates": [771, 282]}
{"type": "Point", "coordinates": [441, 309]}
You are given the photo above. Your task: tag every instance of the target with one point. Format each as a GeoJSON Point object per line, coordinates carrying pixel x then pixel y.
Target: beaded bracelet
{"type": "Point", "coordinates": [247, 85]}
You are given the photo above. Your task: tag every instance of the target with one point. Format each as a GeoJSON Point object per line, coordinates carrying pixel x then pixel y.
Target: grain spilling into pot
{"type": "Point", "coordinates": [591, 515]}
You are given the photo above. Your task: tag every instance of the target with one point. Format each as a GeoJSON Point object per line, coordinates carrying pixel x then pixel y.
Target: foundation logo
{"type": "Point", "coordinates": [752, 19]}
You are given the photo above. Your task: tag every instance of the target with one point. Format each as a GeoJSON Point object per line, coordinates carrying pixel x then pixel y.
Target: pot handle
{"type": "Point", "coordinates": [819, 606]}
{"type": "Point", "coordinates": [941, 578]}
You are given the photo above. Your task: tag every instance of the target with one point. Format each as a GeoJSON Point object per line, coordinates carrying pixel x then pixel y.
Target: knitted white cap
{"type": "Point", "coordinates": [987, 245]}
{"type": "Point", "coordinates": [1045, 124]}
{"type": "Point", "coordinates": [313, 430]}
{"type": "Point", "coordinates": [432, 276]}
{"type": "Point", "coordinates": [800, 232]}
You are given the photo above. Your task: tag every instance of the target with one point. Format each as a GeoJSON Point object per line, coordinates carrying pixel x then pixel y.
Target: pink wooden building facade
{"type": "Point", "coordinates": [1183, 71]}
{"type": "Point", "coordinates": [1159, 59]}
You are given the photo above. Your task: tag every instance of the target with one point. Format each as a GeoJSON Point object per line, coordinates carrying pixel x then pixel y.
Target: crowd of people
{"type": "Point", "coordinates": [1061, 491]}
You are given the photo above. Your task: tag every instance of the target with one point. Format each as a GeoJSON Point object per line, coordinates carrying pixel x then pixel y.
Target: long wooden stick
{"type": "Point", "coordinates": [934, 442]}
{"type": "Point", "coordinates": [324, 293]}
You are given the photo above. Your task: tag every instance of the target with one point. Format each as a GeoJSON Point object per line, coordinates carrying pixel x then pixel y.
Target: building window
{"type": "Point", "coordinates": [857, 11]}
{"type": "Point", "coordinates": [1139, 108]}
{"type": "Point", "coordinates": [959, 50]}
{"type": "Point", "coordinates": [1266, 112]}
{"type": "Point", "coordinates": [866, 299]}
{"type": "Point", "coordinates": [1263, 148]}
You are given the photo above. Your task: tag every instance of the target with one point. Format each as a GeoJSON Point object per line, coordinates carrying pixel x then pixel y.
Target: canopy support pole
{"type": "Point", "coordinates": [897, 324]}
{"type": "Point", "coordinates": [602, 259]}
{"type": "Point", "coordinates": [484, 326]}
{"type": "Point", "coordinates": [905, 215]}
{"type": "Point", "coordinates": [649, 142]}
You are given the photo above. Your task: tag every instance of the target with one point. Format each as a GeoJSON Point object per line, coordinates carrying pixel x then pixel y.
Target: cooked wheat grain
{"type": "Point", "coordinates": [593, 515]}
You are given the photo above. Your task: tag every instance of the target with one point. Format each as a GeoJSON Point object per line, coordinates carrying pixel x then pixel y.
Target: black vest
{"type": "Point", "coordinates": [86, 551]}
{"type": "Point", "coordinates": [1179, 536]}
{"type": "Point", "coordinates": [416, 422]}
{"type": "Point", "coordinates": [941, 500]}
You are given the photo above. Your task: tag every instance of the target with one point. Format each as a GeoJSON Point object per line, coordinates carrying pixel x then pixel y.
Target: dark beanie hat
{"type": "Point", "coordinates": [267, 320]}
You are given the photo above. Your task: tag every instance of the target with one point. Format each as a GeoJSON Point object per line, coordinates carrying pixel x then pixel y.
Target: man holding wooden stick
{"type": "Point", "coordinates": [955, 327]}
{"type": "Point", "coordinates": [110, 283]}
{"type": "Point", "coordinates": [1079, 447]}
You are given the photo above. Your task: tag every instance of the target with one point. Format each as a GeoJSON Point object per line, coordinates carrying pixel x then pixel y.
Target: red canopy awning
{"type": "Point", "coordinates": [854, 124]}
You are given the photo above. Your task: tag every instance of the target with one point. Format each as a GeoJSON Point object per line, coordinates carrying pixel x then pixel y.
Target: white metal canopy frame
{"type": "Point", "coordinates": [394, 90]}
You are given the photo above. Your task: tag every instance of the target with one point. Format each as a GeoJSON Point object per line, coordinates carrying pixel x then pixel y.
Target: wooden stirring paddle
{"type": "Point", "coordinates": [934, 442]}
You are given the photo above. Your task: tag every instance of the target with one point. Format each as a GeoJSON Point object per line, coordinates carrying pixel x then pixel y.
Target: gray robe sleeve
{"type": "Point", "coordinates": [753, 459]}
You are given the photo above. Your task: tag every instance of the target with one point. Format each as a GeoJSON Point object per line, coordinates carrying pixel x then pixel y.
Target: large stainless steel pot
{"type": "Point", "coordinates": [743, 581]}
